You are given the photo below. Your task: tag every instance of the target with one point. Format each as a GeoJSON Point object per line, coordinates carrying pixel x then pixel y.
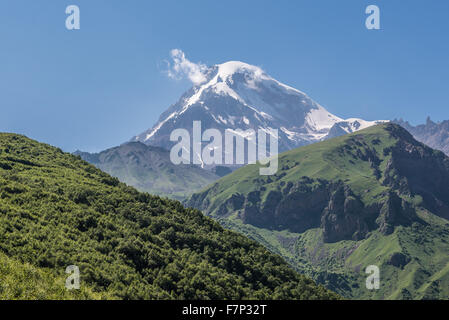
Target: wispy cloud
{"type": "Point", "coordinates": [181, 67]}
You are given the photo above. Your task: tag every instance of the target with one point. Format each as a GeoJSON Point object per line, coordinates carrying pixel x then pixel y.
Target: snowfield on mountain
{"type": "Point", "coordinates": [238, 96]}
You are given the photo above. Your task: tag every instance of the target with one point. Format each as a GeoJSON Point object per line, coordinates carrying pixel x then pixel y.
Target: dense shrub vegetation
{"type": "Point", "coordinates": [57, 210]}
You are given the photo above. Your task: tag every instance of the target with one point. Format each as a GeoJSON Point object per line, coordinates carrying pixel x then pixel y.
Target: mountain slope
{"type": "Point", "coordinates": [57, 210]}
{"type": "Point", "coordinates": [435, 135]}
{"type": "Point", "coordinates": [236, 96]}
{"type": "Point", "coordinates": [338, 206]}
{"type": "Point", "coordinates": [149, 169]}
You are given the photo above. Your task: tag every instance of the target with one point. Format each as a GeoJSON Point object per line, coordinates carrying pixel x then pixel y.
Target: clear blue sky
{"type": "Point", "coordinates": [97, 87]}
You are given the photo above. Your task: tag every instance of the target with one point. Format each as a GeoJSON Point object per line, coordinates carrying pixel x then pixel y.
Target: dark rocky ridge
{"type": "Point", "coordinates": [331, 206]}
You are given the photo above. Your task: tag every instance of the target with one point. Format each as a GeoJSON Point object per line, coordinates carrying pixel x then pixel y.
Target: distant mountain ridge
{"type": "Point", "coordinates": [149, 169]}
{"type": "Point", "coordinates": [240, 96]}
{"type": "Point", "coordinates": [433, 134]}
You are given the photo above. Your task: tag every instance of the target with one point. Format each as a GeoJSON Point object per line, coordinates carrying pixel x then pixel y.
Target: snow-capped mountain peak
{"type": "Point", "coordinates": [236, 95]}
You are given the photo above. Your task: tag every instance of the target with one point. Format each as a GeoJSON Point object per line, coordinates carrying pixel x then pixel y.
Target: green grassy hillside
{"type": "Point", "coordinates": [57, 210]}
{"type": "Point", "coordinates": [375, 197]}
{"type": "Point", "coordinates": [22, 281]}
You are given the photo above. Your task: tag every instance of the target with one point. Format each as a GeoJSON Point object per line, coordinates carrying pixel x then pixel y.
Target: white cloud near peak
{"type": "Point", "coordinates": [182, 67]}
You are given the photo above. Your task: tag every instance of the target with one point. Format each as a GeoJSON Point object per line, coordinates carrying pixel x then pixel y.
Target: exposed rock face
{"type": "Point", "coordinates": [394, 212]}
{"type": "Point", "coordinates": [234, 203]}
{"type": "Point", "coordinates": [305, 205]}
{"type": "Point", "coordinates": [297, 208]}
{"type": "Point", "coordinates": [345, 217]}
{"type": "Point", "coordinates": [333, 207]}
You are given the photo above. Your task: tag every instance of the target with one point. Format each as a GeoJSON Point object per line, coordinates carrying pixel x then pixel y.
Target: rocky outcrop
{"type": "Point", "coordinates": [399, 260]}
{"type": "Point", "coordinates": [345, 217]}
{"type": "Point", "coordinates": [394, 212]}
{"type": "Point", "coordinates": [234, 203]}
{"type": "Point", "coordinates": [298, 207]}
